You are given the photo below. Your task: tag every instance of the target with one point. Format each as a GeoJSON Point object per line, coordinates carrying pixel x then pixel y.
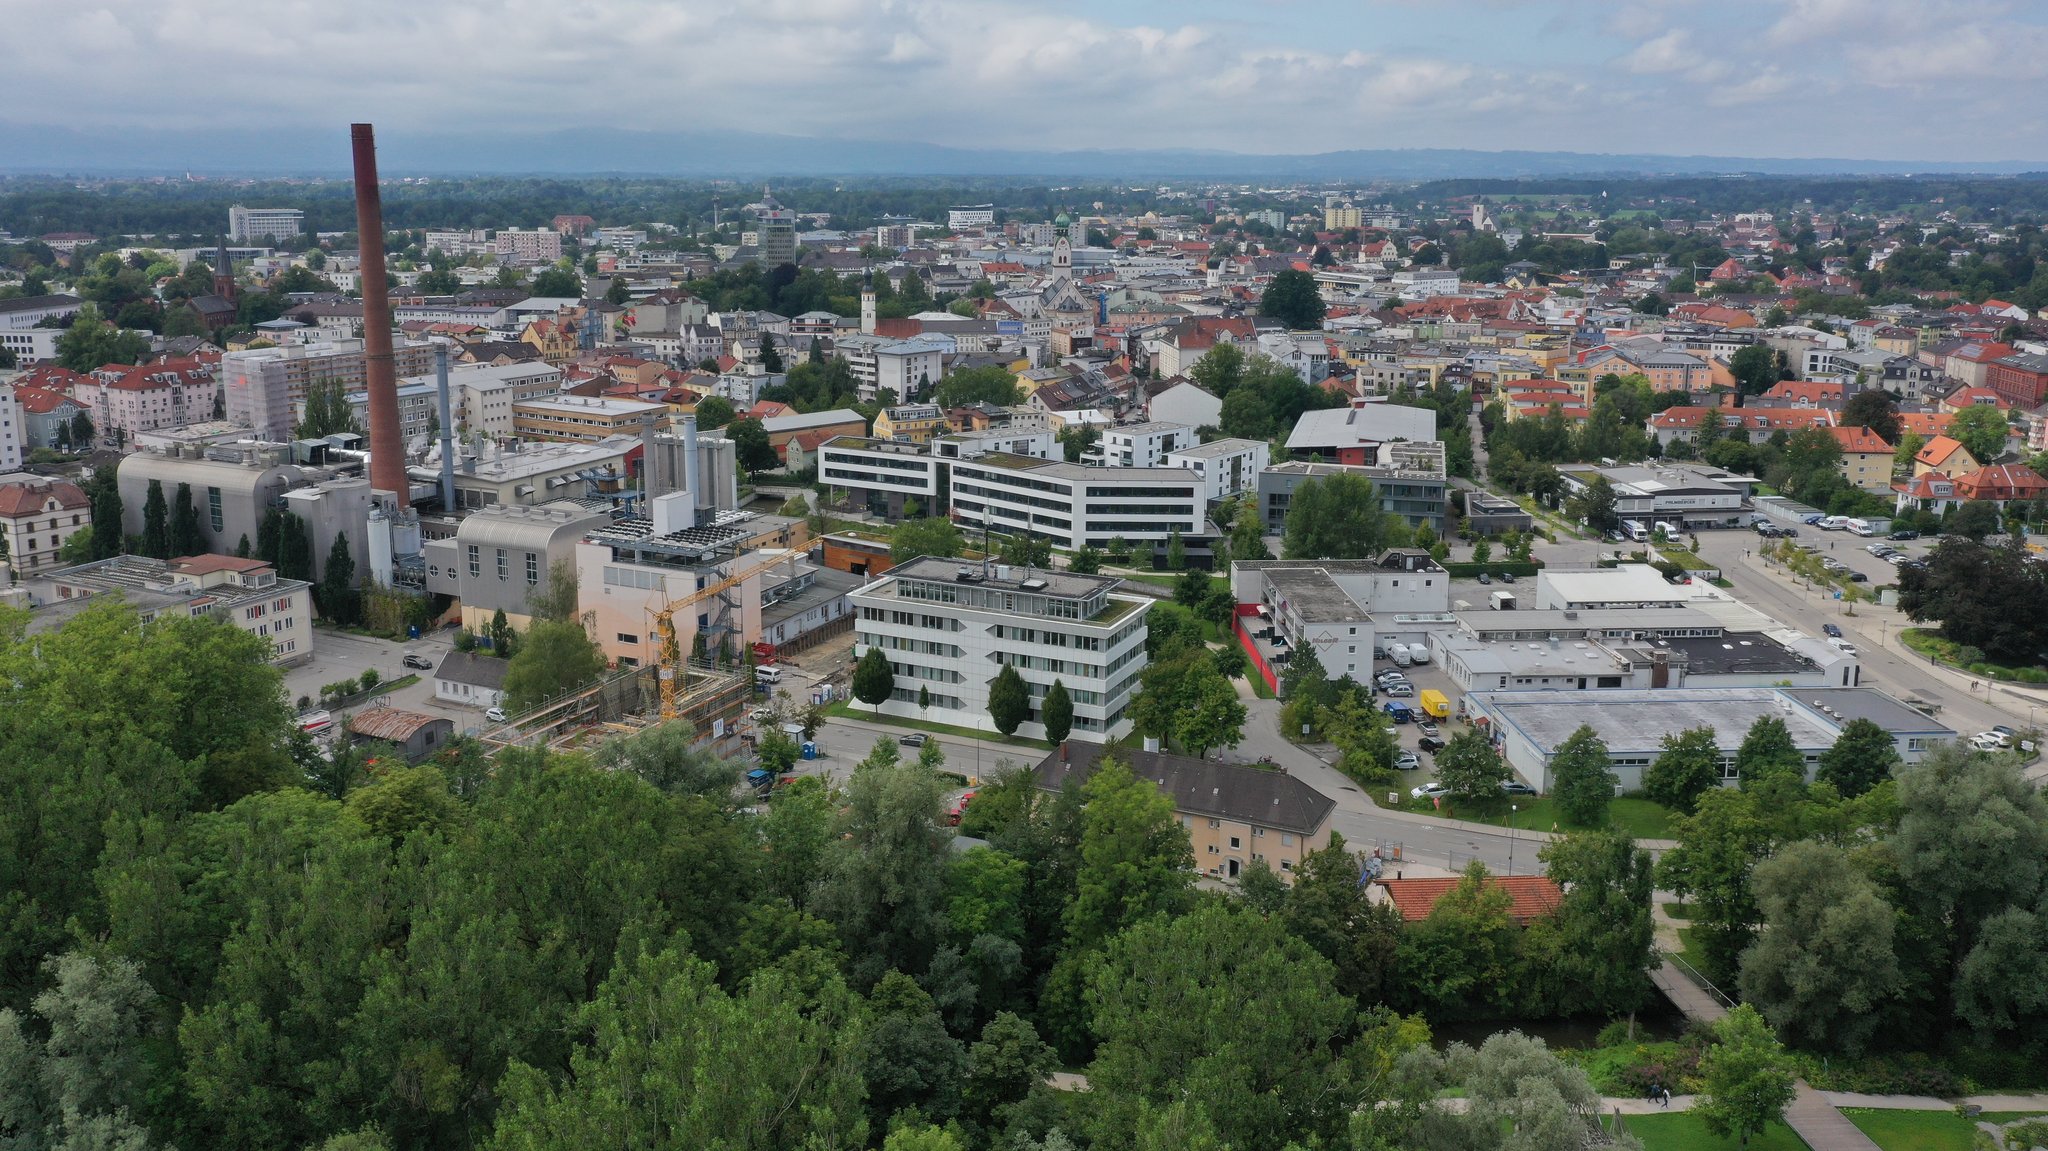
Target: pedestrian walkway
{"type": "Point", "coordinates": [2036, 1102]}
{"type": "Point", "coordinates": [1690, 998]}
{"type": "Point", "coordinates": [1816, 1120]}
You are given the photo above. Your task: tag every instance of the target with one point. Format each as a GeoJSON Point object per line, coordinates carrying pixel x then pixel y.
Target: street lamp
{"type": "Point", "coordinates": [1512, 809]}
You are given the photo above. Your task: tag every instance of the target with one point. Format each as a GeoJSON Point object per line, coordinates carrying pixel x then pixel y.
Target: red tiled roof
{"type": "Point", "coordinates": [1861, 440]}
{"type": "Point", "coordinates": [1938, 449]}
{"type": "Point", "coordinates": [41, 401]}
{"type": "Point", "coordinates": [17, 500]}
{"type": "Point", "coordinates": [1924, 424]}
{"type": "Point", "coordinates": [2001, 482]}
{"type": "Point", "coordinates": [1534, 896]}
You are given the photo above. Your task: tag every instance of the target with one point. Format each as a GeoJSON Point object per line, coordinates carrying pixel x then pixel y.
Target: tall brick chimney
{"type": "Point", "coordinates": [380, 373]}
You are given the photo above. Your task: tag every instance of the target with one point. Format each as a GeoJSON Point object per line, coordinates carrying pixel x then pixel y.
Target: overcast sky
{"type": "Point", "coordinates": [1870, 79]}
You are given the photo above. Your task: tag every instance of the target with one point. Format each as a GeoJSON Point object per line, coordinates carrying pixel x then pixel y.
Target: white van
{"type": "Point", "coordinates": [1418, 653]}
{"type": "Point", "coordinates": [1860, 527]}
{"type": "Point", "coordinates": [767, 675]}
{"type": "Point", "coordinates": [1635, 530]}
{"type": "Point", "coordinates": [1834, 523]}
{"type": "Point", "coordinates": [1400, 654]}
{"type": "Point", "coordinates": [1667, 527]}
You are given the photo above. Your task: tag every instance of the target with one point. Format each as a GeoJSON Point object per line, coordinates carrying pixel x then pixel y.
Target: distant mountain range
{"type": "Point", "coordinates": [43, 149]}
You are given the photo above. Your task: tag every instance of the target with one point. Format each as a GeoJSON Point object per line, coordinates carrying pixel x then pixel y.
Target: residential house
{"type": "Point", "coordinates": [2002, 484]}
{"type": "Point", "coordinates": [37, 515]}
{"type": "Point", "coordinates": [1945, 455]}
{"type": "Point", "coordinates": [470, 679]}
{"type": "Point", "coordinates": [555, 340]}
{"type": "Point", "coordinates": [1866, 459]}
{"type": "Point", "coordinates": [43, 412]}
{"type": "Point", "coordinates": [911, 423]}
{"type": "Point", "coordinates": [1927, 492]}
{"type": "Point", "coordinates": [1235, 814]}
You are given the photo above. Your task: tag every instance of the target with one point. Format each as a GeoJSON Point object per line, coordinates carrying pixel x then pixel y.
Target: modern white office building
{"type": "Point", "coordinates": [246, 224]}
{"type": "Point", "coordinates": [1074, 505]}
{"type": "Point", "coordinates": [1228, 468]}
{"type": "Point", "coordinates": [948, 628]}
{"type": "Point", "coordinates": [1139, 445]}
{"type": "Point", "coordinates": [887, 474]}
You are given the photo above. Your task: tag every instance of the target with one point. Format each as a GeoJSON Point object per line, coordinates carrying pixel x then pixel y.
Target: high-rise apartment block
{"type": "Point", "coordinates": [246, 225]}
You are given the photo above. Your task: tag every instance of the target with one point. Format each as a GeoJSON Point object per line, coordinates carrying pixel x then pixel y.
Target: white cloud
{"type": "Point", "coordinates": [1317, 76]}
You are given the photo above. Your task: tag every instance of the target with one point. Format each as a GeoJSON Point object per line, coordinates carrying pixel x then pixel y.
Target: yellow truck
{"type": "Point", "coordinates": [1436, 703]}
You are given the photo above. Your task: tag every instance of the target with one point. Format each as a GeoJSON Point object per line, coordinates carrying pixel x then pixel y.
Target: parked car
{"type": "Point", "coordinates": [1428, 727]}
{"type": "Point", "coordinates": [495, 714]}
{"type": "Point", "coordinates": [1989, 741]}
{"type": "Point", "coordinates": [914, 739]}
{"type": "Point", "coordinates": [1789, 533]}
{"type": "Point", "coordinates": [417, 662]}
{"type": "Point", "coordinates": [1507, 577]}
{"type": "Point", "coordinates": [1401, 690]}
{"type": "Point", "coordinates": [1905, 534]}
{"type": "Point", "coordinates": [1516, 787]}
{"type": "Point", "coordinates": [1389, 676]}
{"type": "Point", "coordinates": [1831, 630]}
{"type": "Point", "coordinates": [1429, 791]}
{"type": "Point", "coordinates": [1407, 761]}
{"type": "Point", "coordinates": [1484, 578]}
{"type": "Point", "coordinates": [1858, 577]}
{"type": "Point", "coordinates": [1431, 743]}
{"type": "Point", "coordinates": [2005, 731]}
{"type": "Point", "coordinates": [1813, 519]}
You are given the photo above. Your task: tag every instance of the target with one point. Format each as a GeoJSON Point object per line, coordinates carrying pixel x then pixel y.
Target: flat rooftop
{"type": "Point", "coordinates": [1312, 594]}
{"type": "Point", "coordinates": [1627, 584]}
{"type": "Point", "coordinates": [1633, 722]}
{"type": "Point", "coordinates": [1732, 653]}
{"type": "Point", "coordinates": [1215, 448]}
{"type": "Point", "coordinates": [1059, 469]}
{"type": "Point", "coordinates": [1005, 577]}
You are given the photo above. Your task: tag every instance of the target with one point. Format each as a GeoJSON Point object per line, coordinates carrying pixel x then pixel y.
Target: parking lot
{"type": "Point", "coordinates": [341, 655]}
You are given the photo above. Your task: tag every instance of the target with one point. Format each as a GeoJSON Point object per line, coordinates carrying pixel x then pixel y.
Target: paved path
{"type": "Point", "coordinates": [1816, 1120]}
{"type": "Point", "coordinates": [2035, 1102]}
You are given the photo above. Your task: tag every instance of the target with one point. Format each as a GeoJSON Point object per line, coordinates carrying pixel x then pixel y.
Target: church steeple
{"type": "Point", "coordinates": [223, 273]}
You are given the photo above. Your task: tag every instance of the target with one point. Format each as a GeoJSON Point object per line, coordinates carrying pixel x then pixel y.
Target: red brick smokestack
{"type": "Point", "coordinates": [380, 372]}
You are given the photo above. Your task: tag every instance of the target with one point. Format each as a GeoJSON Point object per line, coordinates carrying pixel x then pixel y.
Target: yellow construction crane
{"type": "Point", "coordinates": [671, 672]}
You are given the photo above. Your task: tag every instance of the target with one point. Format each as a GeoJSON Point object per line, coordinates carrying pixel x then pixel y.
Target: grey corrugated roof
{"type": "Point", "coordinates": [1203, 787]}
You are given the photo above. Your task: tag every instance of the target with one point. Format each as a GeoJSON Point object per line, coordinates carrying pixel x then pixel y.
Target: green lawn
{"type": "Point", "coordinates": [1933, 645]}
{"type": "Point", "coordinates": [1917, 1130]}
{"type": "Point", "coordinates": [851, 709]}
{"type": "Point", "coordinates": [1640, 818]}
{"type": "Point", "coordinates": [1682, 1131]}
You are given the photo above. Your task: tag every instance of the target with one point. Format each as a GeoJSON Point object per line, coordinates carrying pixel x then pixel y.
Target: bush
{"type": "Point", "coordinates": [1627, 1070]}
{"type": "Point", "coordinates": [1909, 1073]}
{"type": "Point", "coordinates": [370, 679]}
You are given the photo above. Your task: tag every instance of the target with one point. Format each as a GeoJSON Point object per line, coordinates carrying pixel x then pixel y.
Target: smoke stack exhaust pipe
{"type": "Point", "coordinates": [380, 371]}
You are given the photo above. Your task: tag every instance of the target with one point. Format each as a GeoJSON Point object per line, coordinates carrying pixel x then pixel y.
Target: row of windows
{"type": "Point", "coordinates": [1049, 638]}
{"type": "Point", "coordinates": [1043, 663]}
